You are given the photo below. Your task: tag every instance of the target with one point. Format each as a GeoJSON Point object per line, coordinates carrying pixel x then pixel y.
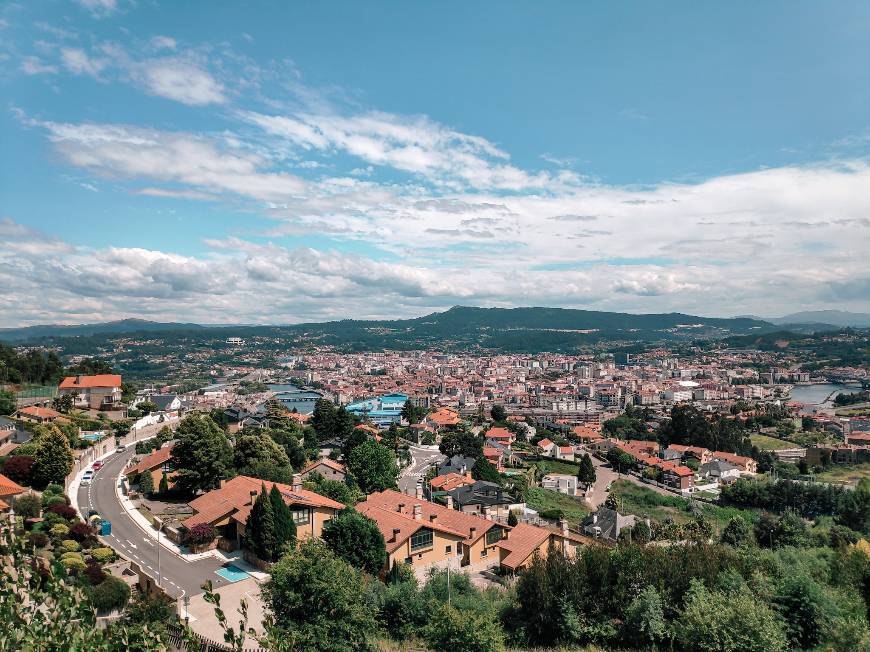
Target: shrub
{"type": "Point", "coordinates": [63, 510]}
{"type": "Point", "coordinates": [38, 539]}
{"type": "Point", "coordinates": [54, 488]}
{"type": "Point", "coordinates": [19, 468]}
{"type": "Point", "coordinates": [73, 563]}
{"type": "Point", "coordinates": [200, 534]}
{"type": "Point", "coordinates": [52, 499]}
{"type": "Point", "coordinates": [552, 514]}
{"type": "Point", "coordinates": [81, 532]}
{"type": "Point", "coordinates": [72, 555]}
{"type": "Point", "coordinates": [27, 506]}
{"type": "Point", "coordinates": [70, 545]}
{"type": "Point", "coordinates": [109, 594]}
{"type": "Point", "coordinates": [59, 530]}
{"type": "Point", "coordinates": [94, 573]}
{"type": "Point", "coordinates": [102, 555]}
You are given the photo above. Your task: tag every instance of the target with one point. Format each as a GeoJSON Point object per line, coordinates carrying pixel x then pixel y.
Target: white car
{"type": "Point", "coordinates": [87, 476]}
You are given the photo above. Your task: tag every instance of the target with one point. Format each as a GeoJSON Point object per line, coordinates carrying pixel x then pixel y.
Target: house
{"type": "Point", "coordinates": [169, 403]}
{"type": "Point", "coordinates": [35, 414]}
{"type": "Point", "coordinates": [678, 477]}
{"type": "Point", "coordinates": [442, 418]}
{"type": "Point", "coordinates": [227, 508]}
{"type": "Point", "coordinates": [523, 542]}
{"type": "Point", "coordinates": [99, 392]}
{"type": "Point", "coordinates": [426, 535]}
{"type": "Point", "coordinates": [859, 438]}
{"type": "Point", "coordinates": [456, 464]}
{"type": "Point", "coordinates": [501, 435]}
{"type": "Point", "coordinates": [484, 498]}
{"type": "Point", "coordinates": [547, 447]}
{"type": "Point", "coordinates": [719, 471]}
{"type": "Point", "coordinates": [703, 455]}
{"type": "Point", "coordinates": [586, 435]}
{"type": "Point", "coordinates": [8, 490]}
{"type": "Point", "coordinates": [327, 468]}
{"type": "Point", "coordinates": [495, 456]}
{"type": "Point", "coordinates": [607, 523]}
{"type": "Point", "coordinates": [745, 464]}
{"type": "Point", "coordinates": [563, 483]}
{"type": "Point", "coordinates": [450, 481]}
{"type": "Point", "coordinates": [565, 453]}
{"type": "Point", "coordinates": [156, 463]}
{"type": "Point", "coordinates": [11, 437]}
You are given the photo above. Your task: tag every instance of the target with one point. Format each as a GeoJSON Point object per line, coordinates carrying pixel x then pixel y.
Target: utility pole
{"type": "Point", "coordinates": [159, 577]}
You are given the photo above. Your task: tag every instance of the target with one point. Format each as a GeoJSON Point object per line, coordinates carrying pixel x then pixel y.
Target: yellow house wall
{"type": "Point", "coordinates": [427, 556]}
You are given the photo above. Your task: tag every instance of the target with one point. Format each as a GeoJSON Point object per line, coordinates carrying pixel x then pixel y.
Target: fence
{"type": "Point", "coordinates": [193, 642]}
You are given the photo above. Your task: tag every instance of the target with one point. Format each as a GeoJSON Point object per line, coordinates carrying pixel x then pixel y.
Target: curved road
{"type": "Point", "coordinates": [421, 459]}
{"type": "Point", "coordinates": [177, 576]}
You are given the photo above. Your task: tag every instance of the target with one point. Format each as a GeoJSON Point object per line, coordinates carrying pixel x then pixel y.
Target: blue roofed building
{"type": "Point", "coordinates": [381, 410]}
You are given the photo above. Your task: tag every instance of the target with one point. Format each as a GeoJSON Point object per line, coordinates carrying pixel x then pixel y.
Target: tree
{"type": "Point", "coordinates": [717, 621]}
{"type": "Point", "coordinates": [356, 539]}
{"type": "Point", "coordinates": [163, 488]}
{"type": "Point", "coordinates": [645, 618]}
{"type": "Point", "coordinates": [111, 593]}
{"type": "Point", "coordinates": [411, 413]}
{"type": "Point", "coordinates": [318, 601]}
{"type": "Point", "coordinates": [146, 483]}
{"type": "Point", "coordinates": [27, 506]}
{"type": "Point", "coordinates": [619, 459]}
{"type": "Point", "coordinates": [806, 608]}
{"type": "Point", "coordinates": [613, 502]}
{"type": "Point", "coordinates": [512, 519]}
{"type": "Point", "coordinates": [737, 533]}
{"type": "Point", "coordinates": [461, 442]}
{"type": "Point", "coordinates": [483, 470]}
{"type": "Point", "coordinates": [64, 403]}
{"type": "Point", "coordinates": [356, 437]}
{"type": "Point", "coordinates": [373, 467]}
{"type": "Point", "coordinates": [586, 473]}
{"type": "Point", "coordinates": [288, 439]}
{"type": "Point", "coordinates": [202, 455]}
{"type": "Point", "coordinates": [54, 459]}
{"type": "Point", "coordinates": [285, 526]}
{"type": "Point", "coordinates": [450, 630]}
{"type": "Point", "coordinates": [19, 468]}
{"type": "Point", "coordinates": [260, 535]}
{"type": "Point", "coordinates": [147, 407]}
{"type": "Point", "coordinates": [344, 424]}
{"type": "Point", "coordinates": [323, 419]}
{"type": "Point", "coordinates": [7, 403]}
{"type": "Point", "coordinates": [498, 413]}
{"type": "Point", "coordinates": [257, 447]}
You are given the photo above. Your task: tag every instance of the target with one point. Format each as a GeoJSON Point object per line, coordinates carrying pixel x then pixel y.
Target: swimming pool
{"type": "Point", "coordinates": [232, 573]}
{"type": "Point", "coordinates": [96, 436]}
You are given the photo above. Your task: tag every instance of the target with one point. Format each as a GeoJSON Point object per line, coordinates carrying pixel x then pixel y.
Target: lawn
{"type": "Point", "coordinates": [766, 443]}
{"type": "Point", "coordinates": [642, 501]}
{"type": "Point", "coordinates": [557, 466]}
{"type": "Point", "coordinates": [850, 473]}
{"type": "Point", "coordinates": [541, 499]}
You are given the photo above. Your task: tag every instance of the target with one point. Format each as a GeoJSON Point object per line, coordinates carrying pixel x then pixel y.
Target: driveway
{"type": "Point", "coordinates": [422, 458]}
{"type": "Point", "coordinates": [177, 576]}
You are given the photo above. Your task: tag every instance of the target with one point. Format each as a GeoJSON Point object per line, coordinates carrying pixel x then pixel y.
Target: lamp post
{"type": "Point", "coordinates": [159, 576]}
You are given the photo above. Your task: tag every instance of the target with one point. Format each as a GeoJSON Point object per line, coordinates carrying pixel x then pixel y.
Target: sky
{"type": "Point", "coordinates": [282, 162]}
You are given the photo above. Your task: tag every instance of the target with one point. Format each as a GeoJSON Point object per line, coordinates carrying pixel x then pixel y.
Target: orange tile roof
{"type": "Point", "coordinates": [545, 443]}
{"type": "Point", "coordinates": [444, 417]}
{"type": "Point", "coordinates": [521, 543]}
{"type": "Point", "coordinates": [389, 521]}
{"type": "Point", "coordinates": [449, 481]}
{"type": "Point", "coordinates": [499, 433]}
{"type": "Point", "coordinates": [41, 412]}
{"type": "Point", "coordinates": [151, 461]}
{"type": "Point", "coordinates": [102, 380]}
{"type": "Point", "coordinates": [325, 461]}
{"type": "Point", "coordinates": [8, 487]}
{"type": "Point", "coordinates": [235, 497]}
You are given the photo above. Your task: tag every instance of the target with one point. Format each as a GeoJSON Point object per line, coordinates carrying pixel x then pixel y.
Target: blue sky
{"type": "Point", "coordinates": [280, 162]}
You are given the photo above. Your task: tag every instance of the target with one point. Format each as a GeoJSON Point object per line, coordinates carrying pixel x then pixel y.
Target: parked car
{"type": "Point", "coordinates": [121, 448]}
{"type": "Point", "coordinates": [97, 465]}
{"type": "Point", "coordinates": [87, 476]}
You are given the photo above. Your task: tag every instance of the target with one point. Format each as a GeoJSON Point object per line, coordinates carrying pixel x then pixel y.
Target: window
{"type": "Point", "coordinates": [448, 550]}
{"type": "Point", "coordinates": [409, 560]}
{"type": "Point", "coordinates": [494, 535]}
{"type": "Point", "coordinates": [301, 516]}
{"type": "Point", "coordinates": [484, 552]}
{"type": "Point", "coordinates": [459, 548]}
{"type": "Point", "coordinates": [421, 539]}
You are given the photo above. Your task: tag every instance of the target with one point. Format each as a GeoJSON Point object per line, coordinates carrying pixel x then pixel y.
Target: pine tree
{"type": "Point", "coordinates": [260, 528]}
{"type": "Point", "coordinates": [146, 483]}
{"type": "Point", "coordinates": [164, 484]}
{"type": "Point", "coordinates": [512, 519]}
{"type": "Point", "coordinates": [586, 472]}
{"type": "Point", "coordinates": [285, 527]}
{"type": "Point", "coordinates": [54, 459]}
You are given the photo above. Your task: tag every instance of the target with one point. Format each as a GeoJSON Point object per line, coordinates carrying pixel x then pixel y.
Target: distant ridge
{"type": "Point", "coordinates": [110, 327]}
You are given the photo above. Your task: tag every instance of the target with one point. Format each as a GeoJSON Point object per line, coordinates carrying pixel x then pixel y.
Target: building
{"type": "Point", "coordinates": [380, 410]}
{"type": "Point", "coordinates": [524, 542]}
{"type": "Point", "coordinates": [8, 491]}
{"type": "Point", "coordinates": [484, 499]}
{"type": "Point", "coordinates": [101, 392]}
{"type": "Point", "coordinates": [450, 481]}
{"type": "Point", "coordinates": [228, 507]}
{"type": "Point", "coordinates": [157, 463]}
{"type": "Point", "coordinates": [426, 535]}
{"type": "Point", "coordinates": [327, 468]}
{"type": "Point", "coordinates": [563, 483]}
{"type": "Point", "coordinates": [456, 464]}
{"type": "Point", "coordinates": [719, 471]}
{"type": "Point", "coordinates": [35, 414]}
{"type": "Point", "coordinates": [745, 464]}
{"type": "Point", "coordinates": [607, 523]}
{"type": "Point", "coordinates": [501, 435]}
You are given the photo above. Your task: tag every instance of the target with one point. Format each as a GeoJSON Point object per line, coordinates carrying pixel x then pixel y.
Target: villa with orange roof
{"type": "Point", "coordinates": [450, 481]}
{"type": "Point", "coordinates": [8, 491]}
{"type": "Point", "coordinates": [524, 542]}
{"type": "Point", "coordinates": [442, 418]}
{"type": "Point", "coordinates": [35, 414]}
{"type": "Point", "coordinates": [327, 468]}
{"type": "Point", "coordinates": [501, 435]}
{"type": "Point", "coordinates": [156, 463]}
{"type": "Point", "coordinates": [95, 392]}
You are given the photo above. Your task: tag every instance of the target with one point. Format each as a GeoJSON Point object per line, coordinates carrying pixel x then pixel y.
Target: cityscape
{"type": "Point", "coordinates": [434, 328]}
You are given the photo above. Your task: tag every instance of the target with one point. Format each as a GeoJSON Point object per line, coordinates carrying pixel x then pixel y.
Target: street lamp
{"type": "Point", "coordinates": [186, 601]}
{"type": "Point", "coordinates": [159, 577]}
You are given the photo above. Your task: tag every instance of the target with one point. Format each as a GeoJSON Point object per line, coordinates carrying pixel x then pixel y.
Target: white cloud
{"type": "Point", "coordinates": [180, 80]}
{"type": "Point", "coordinates": [79, 62]}
{"type": "Point", "coordinates": [34, 66]}
{"type": "Point", "coordinates": [163, 43]}
{"type": "Point", "coordinates": [99, 8]}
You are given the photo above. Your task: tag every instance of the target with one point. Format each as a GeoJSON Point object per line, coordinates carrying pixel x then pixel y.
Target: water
{"type": "Point", "coordinates": [291, 397]}
{"type": "Point", "coordinates": [232, 573]}
{"type": "Point", "coordinates": [814, 394]}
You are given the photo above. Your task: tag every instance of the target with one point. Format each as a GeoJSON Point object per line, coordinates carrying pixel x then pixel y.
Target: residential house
{"type": "Point", "coordinates": [678, 477]}
{"type": "Point", "coordinates": [501, 435]}
{"type": "Point", "coordinates": [565, 453]}
{"type": "Point", "coordinates": [99, 392]}
{"type": "Point", "coordinates": [719, 471]}
{"type": "Point", "coordinates": [456, 464]}
{"type": "Point", "coordinates": [327, 468]}
{"type": "Point", "coordinates": [8, 491]}
{"type": "Point", "coordinates": [701, 454]}
{"type": "Point", "coordinates": [450, 481]}
{"type": "Point", "coordinates": [157, 463]}
{"type": "Point", "coordinates": [524, 542]}
{"type": "Point", "coordinates": [485, 499]}
{"type": "Point", "coordinates": [607, 523]}
{"type": "Point", "coordinates": [227, 508]}
{"type": "Point", "coordinates": [427, 535]}
{"type": "Point", "coordinates": [745, 464]}
{"type": "Point", "coordinates": [35, 414]}
{"type": "Point", "coordinates": [563, 483]}
{"type": "Point", "coordinates": [169, 403]}
{"type": "Point", "coordinates": [547, 447]}
{"type": "Point", "coordinates": [444, 417]}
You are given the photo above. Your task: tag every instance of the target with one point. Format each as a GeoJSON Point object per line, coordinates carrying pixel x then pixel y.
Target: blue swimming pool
{"type": "Point", "coordinates": [97, 436]}
{"type": "Point", "coordinates": [232, 573]}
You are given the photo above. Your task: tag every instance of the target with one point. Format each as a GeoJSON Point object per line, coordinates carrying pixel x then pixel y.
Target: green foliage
{"type": "Point", "coordinates": [201, 456]}
{"type": "Point", "coordinates": [7, 403]}
{"type": "Point", "coordinates": [164, 484]}
{"type": "Point", "coordinates": [737, 533]}
{"type": "Point", "coordinates": [586, 472]}
{"type": "Point", "coordinates": [461, 442]}
{"type": "Point", "coordinates": [483, 470]}
{"type": "Point", "coordinates": [776, 532]}
{"type": "Point", "coordinates": [59, 530]}
{"type": "Point", "coordinates": [498, 413]}
{"type": "Point", "coordinates": [27, 506]}
{"type": "Point", "coordinates": [254, 447]}
{"type": "Point", "coordinates": [146, 483]}
{"type": "Point", "coordinates": [111, 593]}
{"type": "Point", "coordinates": [411, 413]}
{"type": "Point", "coordinates": [102, 555]}
{"type": "Point", "coordinates": [70, 546]}
{"type": "Point", "coordinates": [323, 420]}
{"type": "Point", "coordinates": [356, 539]}
{"type": "Point", "coordinates": [260, 535]}
{"type": "Point", "coordinates": [319, 602]}
{"type": "Point", "coordinates": [402, 611]}
{"type": "Point", "coordinates": [512, 519]}
{"type": "Point", "coordinates": [285, 527]}
{"type": "Point", "coordinates": [645, 619]}
{"type": "Point", "coordinates": [806, 608]}
{"type": "Point", "coordinates": [334, 489]}
{"type": "Point", "coordinates": [449, 630]}
{"type": "Point", "coordinates": [373, 467]}
{"type": "Point", "coordinates": [54, 458]}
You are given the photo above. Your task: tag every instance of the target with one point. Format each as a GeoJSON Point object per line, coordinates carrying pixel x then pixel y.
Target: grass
{"type": "Point", "coordinates": [766, 443]}
{"type": "Point", "coordinates": [851, 473]}
{"type": "Point", "coordinates": [146, 513]}
{"type": "Point", "coordinates": [541, 499]}
{"type": "Point", "coordinates": [643, 501]}
{"type": "Point", "coordinates": [557, 466]}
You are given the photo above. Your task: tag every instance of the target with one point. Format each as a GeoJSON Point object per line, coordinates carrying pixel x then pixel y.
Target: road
{"type": "Point", "coordinates": [177, 576]}
{"type": "Point", "coordinates": [421, 459]}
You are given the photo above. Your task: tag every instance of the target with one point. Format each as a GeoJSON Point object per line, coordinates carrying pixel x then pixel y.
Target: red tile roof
{"type": "Point", "coordinates": [499, 433]}
{"type": "Point", "coordinates": [8, 487]}
{"type": "Point", "coordinates": [450, 481]}
{"type": "Point", "coordinates": [522, 541]}
{"type": "Point", "coordinates": [102, 380]}
{"type": "Point", "coordinates": [151, 461]}
{"type": "Point", "coordinates": [325, 461]}
{"type": "Point", "coordinates": [40, 412]}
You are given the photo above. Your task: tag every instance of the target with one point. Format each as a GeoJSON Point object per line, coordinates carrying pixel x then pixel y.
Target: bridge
{"type": "Point", "coordinates": [845, 379]}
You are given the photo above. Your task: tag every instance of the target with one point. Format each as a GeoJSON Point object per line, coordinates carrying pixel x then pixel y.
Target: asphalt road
{"type": "Point", "coordinates": [421, 460]}
{"type": "Point", "coordinates": [177, 576]}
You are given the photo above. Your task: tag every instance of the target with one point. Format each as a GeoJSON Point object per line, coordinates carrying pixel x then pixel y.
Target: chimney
{"type": "Point", "coordinates": [472, 532]}
{"type": "Point", "coordinates": [401, 509]}
{"type": "Point", "coordinates": [419, 492]}
{"type": "Point", "coordinates": [395, 534]}
{"type": "Point", "coordinates": [253, 496]}
{"type": "Point", "coordinates": [78, 379]}
{"type": "Point", "coordinates": [595, 518]}
{"type": "Point", "coordinates": [506, 534]}
{"type": "Point", "coordinates": [418, 513]}
{"type": "Point", "coordinates": [433, 518]}
{"type": "Point", "coordinates": [449, 501]}
{"type": "Point", "coordinates": [297, 482]}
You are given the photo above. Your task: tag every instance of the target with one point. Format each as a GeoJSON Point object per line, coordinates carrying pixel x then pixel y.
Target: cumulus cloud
{"type": "Point", "coordinates": [179, 80]}
{"type": "Point", "coordinates": [78, 62]}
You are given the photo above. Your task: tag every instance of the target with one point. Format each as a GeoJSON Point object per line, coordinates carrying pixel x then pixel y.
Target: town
{"type": "Point", "coordinates": [427, 472]}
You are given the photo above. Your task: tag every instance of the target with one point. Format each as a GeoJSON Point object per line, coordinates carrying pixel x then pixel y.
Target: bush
{"type": "Point", "coordinates": [70, 545]}
{"type": "Point", "coordinates": [38, 539]}
{"type": "Point", "coordinates": [109, 594]}
{"type": "Point", "coordinates": [71, 555]}
{"type": "Point", "coordinates": [28, 506]}
{"type": "Point", "coordinates": [54, 488]}
{"type": "Point", "coordinates": [64, 511]}
{"type": "Point", "coordinates": [81, 532]}
{"type": "Point", "coordinates": [53, 499]}
{"type": "Point", "coordinates": [59, 530]}
{"type": "Point", "coordinates": [102, 555]}
{"type": "Point", "coordinates": [19, 468]}
{"type": "Point", "coordinates": [73, 563]}
{"type": "Point", "coordinates": [449, 630]}
{"type": "Point", "coordinates": [200, 534]}
{"type": "Point", "coordinates": [552, 514]}
{"type": "Point", "coordinates": [94, 573]}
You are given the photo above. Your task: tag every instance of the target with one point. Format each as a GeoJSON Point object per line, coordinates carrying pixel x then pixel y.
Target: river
{"type": "Point", "coordinates": [292, 397]}
{"type": "Point", "coordinates": [815, 394]}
